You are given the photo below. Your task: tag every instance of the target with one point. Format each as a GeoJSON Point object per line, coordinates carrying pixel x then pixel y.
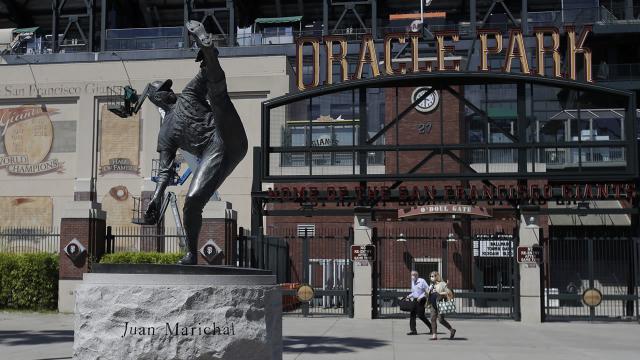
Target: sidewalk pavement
{"type": "Point", "coordinates": [31, 336]}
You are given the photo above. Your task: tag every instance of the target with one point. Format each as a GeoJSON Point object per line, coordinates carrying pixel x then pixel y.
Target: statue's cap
{"type": "Point", "coordinates": [162, 85]}
{"type": "Point", "coordinates": [151, 89]}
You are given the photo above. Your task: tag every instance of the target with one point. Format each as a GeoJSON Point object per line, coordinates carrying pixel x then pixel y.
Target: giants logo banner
{"type": "Point", "coordinates": [27, 134]}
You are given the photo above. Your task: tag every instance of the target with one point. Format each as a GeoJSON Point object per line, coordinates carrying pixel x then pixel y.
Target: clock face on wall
{"type": "Point", "coordinates": [429, 103]}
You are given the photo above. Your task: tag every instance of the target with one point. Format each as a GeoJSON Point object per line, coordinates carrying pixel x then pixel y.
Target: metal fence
{"type": "Point", "coordinates": [603, 258]}
{"type": "Point", "coordinates": [479, 269]}
{"type": "Point", "coordinates": [320, 259]}
{"type": "Point", "coordinates": [264, 252]}
{"type": "Point", "coordinates": [29, 239]}
{"type": "Point", "coordinates": [142, 239]}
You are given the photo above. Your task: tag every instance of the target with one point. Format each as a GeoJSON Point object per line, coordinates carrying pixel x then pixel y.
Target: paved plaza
{"type": "Point", "coordinates": [31, 336]}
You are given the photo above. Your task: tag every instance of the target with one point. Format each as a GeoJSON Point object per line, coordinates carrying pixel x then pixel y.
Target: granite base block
{"type": "Point", "coordinates": [168, 316]}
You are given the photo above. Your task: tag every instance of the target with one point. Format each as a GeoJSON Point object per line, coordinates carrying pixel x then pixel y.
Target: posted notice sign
{"type": "Point", "coordinates": [363, 252]}
{"type": "Point", "coordinates": [529, 254]}
{"type": "Point", "coordinates": [493, 245]}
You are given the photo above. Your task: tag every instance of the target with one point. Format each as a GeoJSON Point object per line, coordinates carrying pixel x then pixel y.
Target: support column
{"type": "Point", "coordinates": [374, 19]}
{"type": "Point", "coordinates": [472, 18]}
{"type": "Point", "coordinates": [530, 294]}
{"type": "Point", "coordinates": [325, 17]}
{"type": "Point", "coordinates": [524, 17]}
{"type": "Point", "coordinates": [232, 23]}
{"type": "Point", "coordinates": [82, 224]}
{"type": "Point", "coordinates": [54, 25]}
{"type": "Point", "coordinates": [103, 25]}
{"type": "Point", "coordinates": [362, 271]}
{"type": "Point", "coordinates": [628, 10]}
{"type": "Point", "coordinates": [220, 224]}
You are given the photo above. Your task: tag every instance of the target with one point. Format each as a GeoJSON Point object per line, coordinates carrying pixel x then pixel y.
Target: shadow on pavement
{"type": "Point", "coordinates": [328, 344]}
{"type": "Point", "coordinates": [15, 338]}
{"type": "Point", "coordinates": [456, 339]}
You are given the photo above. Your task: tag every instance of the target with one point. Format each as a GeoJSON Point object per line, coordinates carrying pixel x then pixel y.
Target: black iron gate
{"type": "Point", "coordinates": [479, 269]}
{"type": "Point", "coordinates": [599, 260]}
{"type": "Point", "coordinates": [264, 252]}
{"type": "Point", "coordinates": [320, 259]}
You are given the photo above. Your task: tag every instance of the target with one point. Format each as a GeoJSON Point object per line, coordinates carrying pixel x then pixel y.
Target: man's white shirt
{"type": "Point", "coordinates": [419, 288]}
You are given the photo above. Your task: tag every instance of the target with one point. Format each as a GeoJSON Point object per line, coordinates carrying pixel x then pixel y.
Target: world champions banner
{"type": "Point", "coordinates": [27, 133]}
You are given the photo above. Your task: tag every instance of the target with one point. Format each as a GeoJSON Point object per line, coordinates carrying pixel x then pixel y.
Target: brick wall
{"type": "Point", "coordinates": [224, 234]}
{"type": "Point", "coordinates": [90, 233]}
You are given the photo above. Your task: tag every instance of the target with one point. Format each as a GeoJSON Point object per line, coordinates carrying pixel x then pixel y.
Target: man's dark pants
{"type": "Point", "coordinates": [418, 311]}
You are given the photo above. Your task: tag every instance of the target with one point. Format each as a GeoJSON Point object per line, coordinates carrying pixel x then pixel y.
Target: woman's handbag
{"type": "Point", "coordinates": [407, 305]}
{"type": "Point", "coordinates": [446, 306]}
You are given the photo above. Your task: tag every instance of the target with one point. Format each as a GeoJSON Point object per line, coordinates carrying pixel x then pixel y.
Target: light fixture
{"type": "Point", "coordinates": [531, 223]}
{"type": "Point", "coordinates": [583, 205]}
{"type": "Point", "coordinates": [401, 238]}
{"type": "Point", "coordinates": [451, 237]}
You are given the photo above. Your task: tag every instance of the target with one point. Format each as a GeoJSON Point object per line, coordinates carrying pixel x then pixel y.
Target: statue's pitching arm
{"type": "Point", "coordinates": [165, 174]}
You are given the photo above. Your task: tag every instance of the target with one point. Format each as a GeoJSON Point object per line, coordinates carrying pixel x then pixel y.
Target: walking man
{"type": "Point", "coordinates": [419, 293]}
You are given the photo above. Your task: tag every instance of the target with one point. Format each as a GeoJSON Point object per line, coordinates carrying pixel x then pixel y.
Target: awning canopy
{"type": "Point", "coordinates": [26, 30]}
{"type": "Point", "coordinates": [591, 219]}
{"type": "Point", "coordinates": [279, 20]}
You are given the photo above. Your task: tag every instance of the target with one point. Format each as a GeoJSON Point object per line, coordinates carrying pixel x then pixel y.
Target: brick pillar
{"type": "Point", "coordinates": [219, 223]}
{"type": "Point", "coordinates": [83, 222]}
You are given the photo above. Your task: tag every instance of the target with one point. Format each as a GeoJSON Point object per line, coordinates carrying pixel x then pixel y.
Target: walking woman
{"type": "Point", "coordinates": [438, 291]}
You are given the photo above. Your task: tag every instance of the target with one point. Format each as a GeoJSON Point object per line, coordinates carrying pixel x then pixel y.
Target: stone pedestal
{"type": "Point", "coordinates": [177, 312]}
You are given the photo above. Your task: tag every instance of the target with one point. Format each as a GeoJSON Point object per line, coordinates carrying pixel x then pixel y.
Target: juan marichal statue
{"type": "Point", "coordinates": [211, 131]}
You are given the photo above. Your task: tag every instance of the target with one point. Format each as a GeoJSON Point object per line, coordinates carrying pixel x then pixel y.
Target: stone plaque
{"type": "Point", "coordinates": [119, 143]}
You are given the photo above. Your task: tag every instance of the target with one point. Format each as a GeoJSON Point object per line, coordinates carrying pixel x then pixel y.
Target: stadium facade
{"type": "Point", "coordinates": [454, 130]}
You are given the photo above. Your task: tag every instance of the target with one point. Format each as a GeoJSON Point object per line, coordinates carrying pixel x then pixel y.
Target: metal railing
{"type": "Point", "coordinates": [173, 37]}
{"type": "Point", "coordinates": [29, 239]}
{"type": "Point", "coordinates": [145, 38]}
{"type": "Point", "coordinates": [328, 159]}
{"type": "Point", "coordinates": [555, 157]}
{"type": "Point", "coordinates": [142, 239]}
